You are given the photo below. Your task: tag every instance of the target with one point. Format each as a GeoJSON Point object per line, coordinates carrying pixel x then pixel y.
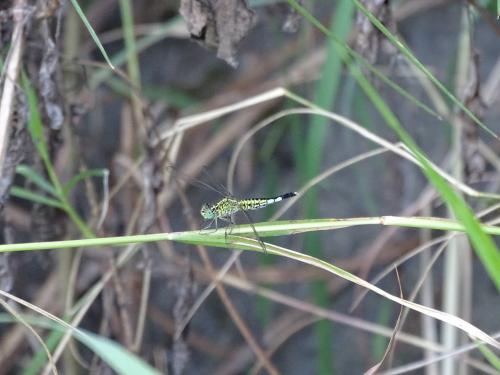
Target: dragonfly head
{"type": "Point", "coordinates": [206, 212]}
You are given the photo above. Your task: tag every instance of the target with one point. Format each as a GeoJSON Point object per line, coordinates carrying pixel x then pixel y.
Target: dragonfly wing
{"type": "Point", "coordinates": [194, 181]}
{"type": "Point", "coordinates": [221, 190]}
{"type": "Point", "coordinates": [216, 184]}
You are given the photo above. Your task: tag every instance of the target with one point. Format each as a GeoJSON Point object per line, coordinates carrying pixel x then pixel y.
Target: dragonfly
{"type": "Point", "coordinates": [228, 206]}
{"type": "Point", "coordinates": [225, 208]}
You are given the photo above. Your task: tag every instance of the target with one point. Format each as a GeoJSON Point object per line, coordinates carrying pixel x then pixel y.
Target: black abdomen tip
{"type": "Point", "coordinates": [289, 195]}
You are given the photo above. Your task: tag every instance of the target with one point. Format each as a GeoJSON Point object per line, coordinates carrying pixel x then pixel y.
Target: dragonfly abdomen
{"type": "Point", "coordinates": [229, 206]}
{"type": "Point", "coordinates": [256, 203]}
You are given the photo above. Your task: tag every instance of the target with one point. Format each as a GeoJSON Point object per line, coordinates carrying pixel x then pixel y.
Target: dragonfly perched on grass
{"type": "Point", "coordinates": [228, 206]}
{"type": "Point", "coordinates": [224, 209]}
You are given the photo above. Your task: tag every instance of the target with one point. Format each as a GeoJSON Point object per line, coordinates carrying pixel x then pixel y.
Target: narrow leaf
{"type": "Point", "coordinates": [34, 197]}
{"type": "Point", "coordinates": [33, 176]}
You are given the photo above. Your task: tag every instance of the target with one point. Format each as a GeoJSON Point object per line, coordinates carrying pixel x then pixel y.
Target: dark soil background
{"type": "Point", "coordinates": [216, 54]}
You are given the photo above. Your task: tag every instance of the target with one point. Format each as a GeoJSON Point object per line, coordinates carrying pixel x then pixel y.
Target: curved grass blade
{"type": "Point", "coordinates": [70, 185]}
{"type": "Point", "coordinates": [483, 245]}
{"type": "Point", "coordinates": [350, 54]}
{"type": "Point", "coordinates": [405, 50]}
{"type": "Point", "coordinates": [115, 355]}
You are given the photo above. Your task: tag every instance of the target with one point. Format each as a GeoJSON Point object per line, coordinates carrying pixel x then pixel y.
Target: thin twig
{"type": "Point", "coordinates": [12, 67]}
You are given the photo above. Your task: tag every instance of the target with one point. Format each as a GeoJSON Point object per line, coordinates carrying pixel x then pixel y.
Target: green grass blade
{"type": "Point", "coordinates": [327, 86]}
{"type": "Point", "coordinates": [130, 44]}
{"type": "Point", "coordinates": [31, 175]}
{"type": "Point", "coordinates": [254, 245]}
{"type": "Point", "coordinates": [91, 31]}
{"type": "Point", "coordinates": [22, 193]}
{"type": "Point", "coordinates": [121, 57]}
{"type": "Point", "coordinates": [379, 342]}
{"type": "Point", "coordinates": [325, 94]}
{"type": "Point", "coordinates": [115, 355]}
{"type": "Point", "coordinates": [70, 185]}
{"type": "Point", "coordinates": [490, 356]}
{"type": "Point", "coordinates": [37, 135]}
{"type": "Point", "coordinates": [471, 330]}
{"type": "Point", "coordinates": [482, 243]}
{"type": "Point", "coordinates": [251, 244]}
{"type": "Point", "coordinates": [36, 363]}
{"type": "Point", "coordinates": [35, 126]}
{"type": "Point", "coordinates": [220, 238]}
{"type": "Point", "coordinates": [350, 54]}
{"type": "Point", "coordinates": [405, 50]}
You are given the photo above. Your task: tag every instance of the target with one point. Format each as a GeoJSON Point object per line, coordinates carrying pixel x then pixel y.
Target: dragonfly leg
{"type": "Point", "coordinates": [209, 225]}
{"type": "Point", "coordinates": [229, 222]}
{"type": "Point", "coordinates": [257, 237]}
{"type": "Point", "coordinates": [229, 228]}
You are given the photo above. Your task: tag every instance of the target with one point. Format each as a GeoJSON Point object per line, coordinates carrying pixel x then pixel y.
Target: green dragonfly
{"type": "Point", "coordinates": [224, 209]}
{"type": "Point", "coordinates": [228, 206]}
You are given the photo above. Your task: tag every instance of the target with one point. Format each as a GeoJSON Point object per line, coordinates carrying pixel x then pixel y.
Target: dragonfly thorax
{"type": "Point", "coordinates": [207, 212]}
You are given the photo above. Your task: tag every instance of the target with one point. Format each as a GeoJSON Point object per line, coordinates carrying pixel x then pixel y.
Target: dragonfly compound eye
{"type": "Point", "coordinates": [206, 212]}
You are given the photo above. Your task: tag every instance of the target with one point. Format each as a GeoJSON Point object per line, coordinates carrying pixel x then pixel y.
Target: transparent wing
{"type": "Point", "coordinates": [219, 189]}
{"type": "Point", "coordinates": [216, 184]}
{"type": "Point", "coordinates": [195, 181]}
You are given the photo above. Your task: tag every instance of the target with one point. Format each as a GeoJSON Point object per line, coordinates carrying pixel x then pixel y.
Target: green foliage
{"type": "Point", "coordinates": [483, 244]}
{"type": "Point", "coordinates": [91, 31]}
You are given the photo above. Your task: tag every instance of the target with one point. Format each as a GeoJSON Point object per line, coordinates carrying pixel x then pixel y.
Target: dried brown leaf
{"type": "Point", "coordinates": [219, 24]}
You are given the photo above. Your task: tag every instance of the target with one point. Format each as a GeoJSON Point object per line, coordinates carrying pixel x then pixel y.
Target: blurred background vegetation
{"type": "Point", "coordinates": [384, 100]}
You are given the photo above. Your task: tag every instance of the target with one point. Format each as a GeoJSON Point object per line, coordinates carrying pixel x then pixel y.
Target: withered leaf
{"type": "Point", "coordinates": [219, 24]}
